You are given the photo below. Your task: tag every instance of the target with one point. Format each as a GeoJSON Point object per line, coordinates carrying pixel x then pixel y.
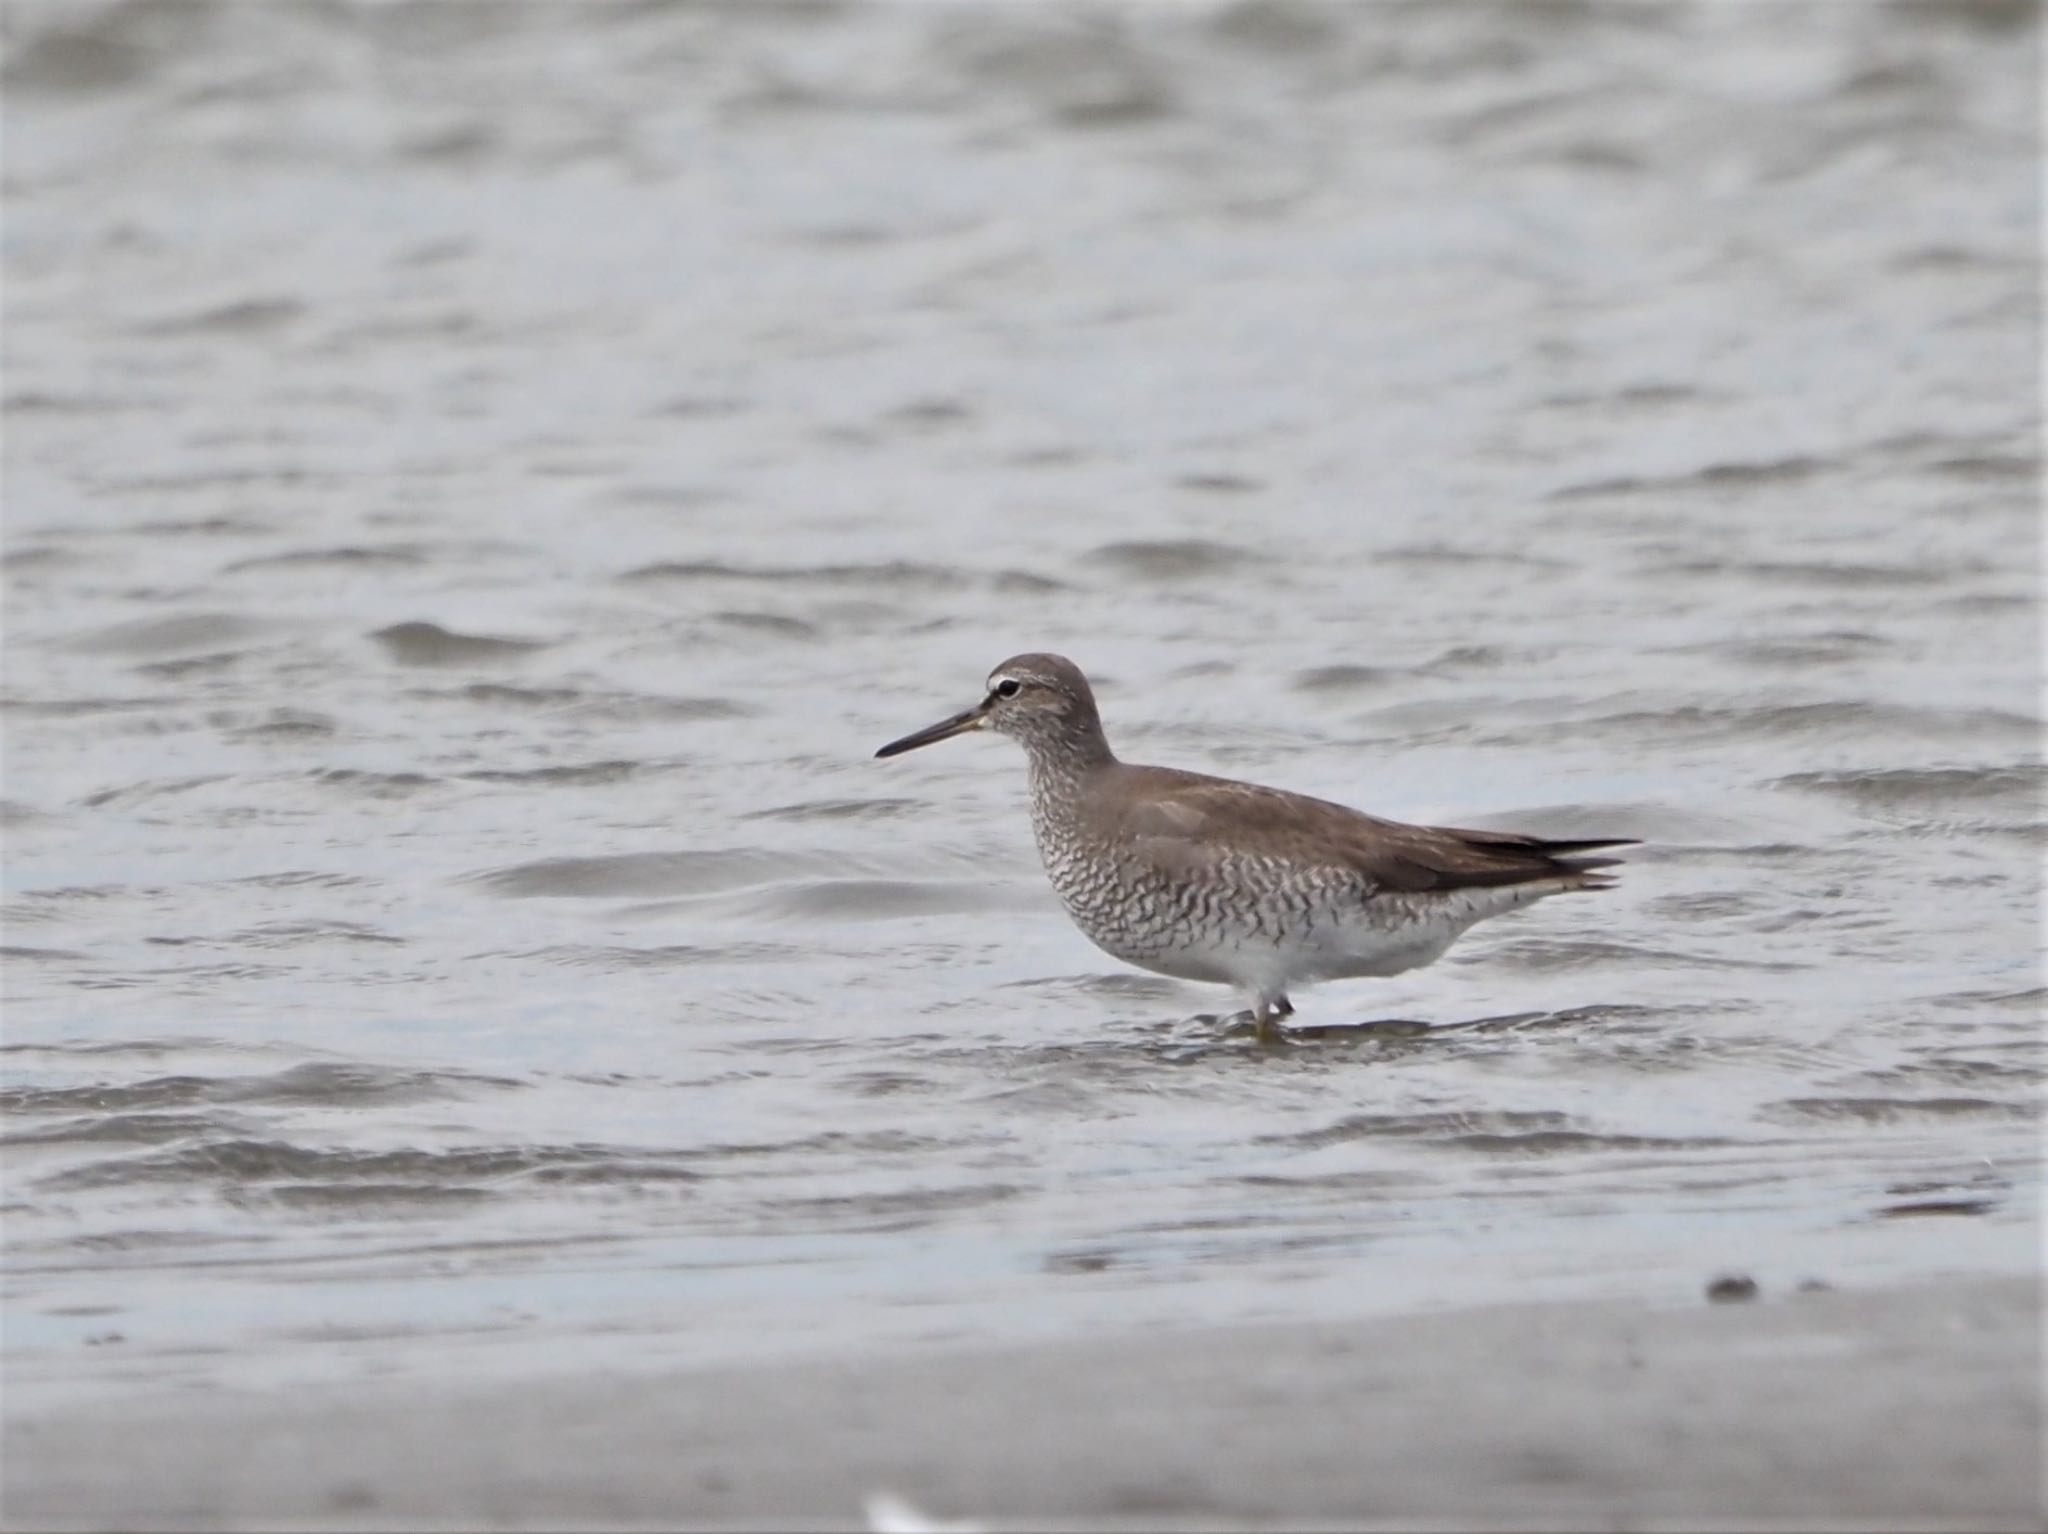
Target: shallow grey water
{"type": "Point", "coordinates": [482, 480]}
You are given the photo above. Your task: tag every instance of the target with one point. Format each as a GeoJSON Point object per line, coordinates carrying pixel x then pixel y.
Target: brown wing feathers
{"type": "Point", "coordinates": [1446, 858]}
{"type": "Point", "coordinates": [1175, 806]}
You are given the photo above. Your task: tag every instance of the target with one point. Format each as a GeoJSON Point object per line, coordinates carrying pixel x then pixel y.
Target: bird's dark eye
{"type": "Point", "coordinates": [1007, 687]}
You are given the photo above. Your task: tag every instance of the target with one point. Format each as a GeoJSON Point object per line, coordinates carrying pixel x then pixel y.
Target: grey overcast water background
{"type": "Point", "coordinates": [482, 479]}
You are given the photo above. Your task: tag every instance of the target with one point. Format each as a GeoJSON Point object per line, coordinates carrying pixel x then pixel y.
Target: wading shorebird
{"type": "Point", "coordinates": [1210, 879]}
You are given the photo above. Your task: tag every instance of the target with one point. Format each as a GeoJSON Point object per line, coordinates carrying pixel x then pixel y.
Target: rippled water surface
{"type": "Point", "coordinates": [481, 481]}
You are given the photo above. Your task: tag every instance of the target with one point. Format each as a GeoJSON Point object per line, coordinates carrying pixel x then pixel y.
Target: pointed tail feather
{"type": "Point", "coordinates": [1593, 844]}
{"type": "Point", "coordinates": [1566, 855]}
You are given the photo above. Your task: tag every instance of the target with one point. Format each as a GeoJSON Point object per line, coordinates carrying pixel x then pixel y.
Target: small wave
{"type": "Point", "coordinates": [836, 1145]}
{"type": "Point", "coordinates": [1469, 657]}
{"type": "Point", "coordinates": [142, 793]}
{"type": "Point", "coordinates": [1080, 70]}
{"type": "Point", "coordinates": [1892, 1110]}
{"type": "Point", "coordinates": [122, 1129]}
{"type": "Point", "coordinates": [1978, 1070]}
{"type": "Point", "coordinates": [888, 1083]}
{"type": "Point", "coordinates": [1814, 719]}
{"type": "Point", "coordinates": [1794, 651]}
{"type": "Point", "coordinates": [2031, 998]}
{"type": "Point", "coordinates": [347, 557]}
{"type": "Point", "coordinates": [183, 633]}
{"type": "Point", "coordinates": [51, 402]}
{"type": "Point", "coordinates": [702, 406]}
{"type": "Point", "coordinates": [191, 665]}
{"type": "Point", "coordinates": [1923, 1207]}
{"type": "Point", "coordinates": [77, 708]}
{"type": "Point", "coordinates": [240, 317]}
{"type": "Point", "coordinates": [1374, 1126]}
{"type": "Point", "coordinates": [1346, 678]}
{"type": "Point", "coordinates": [1278, 27]}
{"type": "Point", "coordinates": [1130, 987]}
{"type": "Point", "coordinates": [205, 527]}
{"type": "Point", "coordinates": [429, 644]}
{"type": "Point", "coordinates": [44, 904]}
{"type": "Point", "coordinates": [373, 785]}
{"type": "Point", "coordinates": [211, 482]}
{"type": "Point", "coordinates": [666, 956]}
{"type": "Point", "coordinates": [358, 1200]}
{"type": "Point", "coordinates": [1220, 484]}
{"type": "Point", "coordinates": [781, 625]}
{"type": "Point", "coordinates": [905, 1210]}
{"type": "Point", "coordinates": [1988, 467]}
{"type": "Point", "coordinates": [242, 1163]}
{"type": "Point", "coordinates": [1611, 1018]}
{"type": "Point", "coordinates": [1027, 582]}
{"type": "Point", "coordinates": [840, 809]}
{"type": "Point", "coordinates": [1641, 396]}
{"type": "Point", "coordinates": [1849, 574]}
{"type": "Point", "coordinates": [466, 141]}
{"type": "Point", "coordinates": [932, 414]}
{"type": "Point", "coordinates": [147, 1049]}
{"type": "Point", "coordinates": [314, 1083]}
{"type": "Point", "coordinates": [81, 58]}
{"type": "Point", "coordinates": [302, 878]}
{"type": "Point", "coordinates": [1718, 476]}
{"type": "Point", "coordinates": [285, 724]}
{"type": "Point", "coordinates": [1175, 559]}
{"type": "Point", "coordinates": [1549, 954]}
{"type": "Point", "coordinates": [881, 899]}
{"type": "Point", "coordinates": [624, 707]}
{"type": "Point", "coordinates": [578, 775]}
{"type": "Point", "coordinates": [507, 692]}
{"type": "Point", "coordinates": [1541, 1142]}
{"type": "Point", "coordinates": [296, 934]}
{"type": "Point", "coordinates": [40, 557]}
{"type": "Point", "coordinates": [1517, 1134]}
{"type": "Point", "coordinates": [1982, 1193]}
{"type": "Point", "coordinates": [649, 873]}
{"type": "Point", "coordinates": [2015, 786]}
{"type": "Point", "coordinates": [1452, 557]}
{"type": "Point", "coordinates": [889, 573]}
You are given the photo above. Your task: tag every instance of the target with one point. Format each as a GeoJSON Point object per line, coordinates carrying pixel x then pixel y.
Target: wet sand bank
{"type": "Point", "coordinates": [1915, 1407]}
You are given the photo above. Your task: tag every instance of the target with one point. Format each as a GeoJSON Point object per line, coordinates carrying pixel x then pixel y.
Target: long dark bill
{"type": "Point", "coordinates": [966, 719]}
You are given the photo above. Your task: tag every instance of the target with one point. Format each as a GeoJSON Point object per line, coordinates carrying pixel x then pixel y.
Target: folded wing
{"type": "Point", "coordinates": [1180, 820]}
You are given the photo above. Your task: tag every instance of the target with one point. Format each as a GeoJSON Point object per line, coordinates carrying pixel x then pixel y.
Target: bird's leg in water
{"type": "Point", "coordinates": [1265, 1014]}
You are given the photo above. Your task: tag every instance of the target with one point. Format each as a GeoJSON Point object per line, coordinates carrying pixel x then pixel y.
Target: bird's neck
{"type": "Point", "coordinates": [1061, 766]}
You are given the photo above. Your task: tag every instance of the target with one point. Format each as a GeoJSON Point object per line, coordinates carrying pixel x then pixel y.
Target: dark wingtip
{"type": "Point", "coordinates": [1588, 869]}
{"type": "Point", "coordinates": [1573, 848]}
{"type": "Point", "coordinates": [1569, 855]}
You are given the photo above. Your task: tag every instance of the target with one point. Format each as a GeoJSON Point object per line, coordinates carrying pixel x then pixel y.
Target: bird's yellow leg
{"type": "Point", "coordinates": [1265, 1016]}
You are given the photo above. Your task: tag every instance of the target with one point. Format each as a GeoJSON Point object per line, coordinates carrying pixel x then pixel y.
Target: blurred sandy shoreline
{"type": "Point", "coordinates": [1914, 1407]}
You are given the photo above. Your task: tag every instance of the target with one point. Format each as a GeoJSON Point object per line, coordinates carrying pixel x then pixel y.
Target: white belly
{"type": "Point", "coordinates": [1387, 936]}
